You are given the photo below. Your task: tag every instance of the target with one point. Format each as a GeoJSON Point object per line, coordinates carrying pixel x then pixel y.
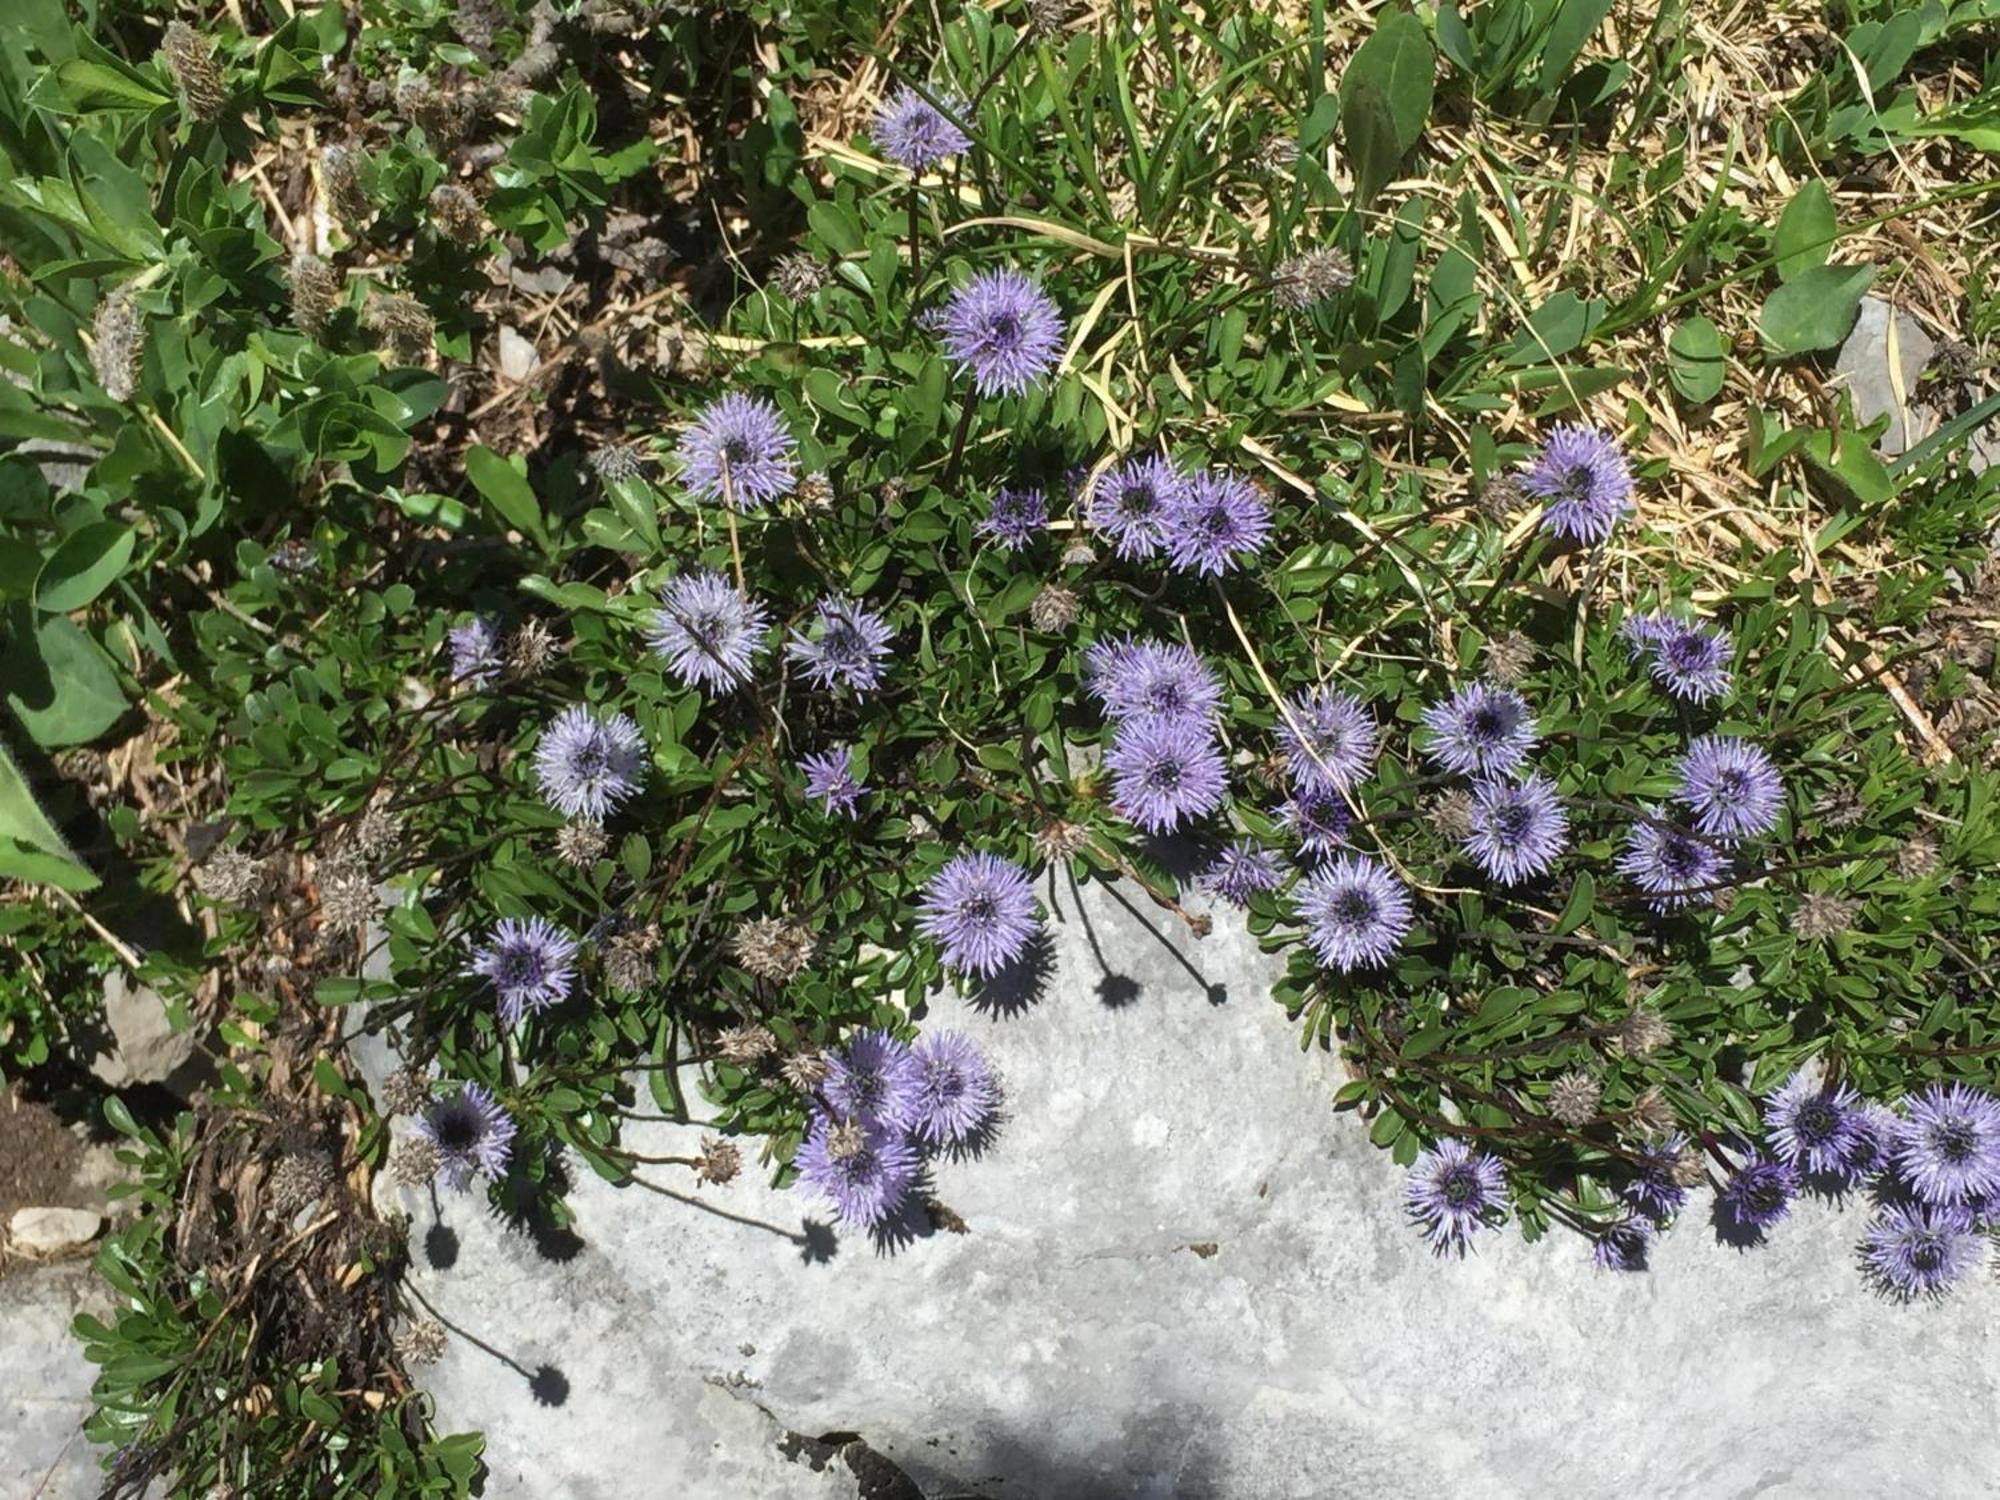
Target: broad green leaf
{"type": "Point", "coordinates": [1695, 360]}
{"type": "Point", "coordinates": [1806, 231]}
{"type": "Point", "coordinates": [84, 566]}
{"type": "Point", "coordinates": [1814, 310]}
{"type": "Point", "coordinates": [63, 687]}
{"type": "Point", "coordinates": [93, 85]}
{"type": "Point", "coordinates": [1385, 98]}
{"type": "Point", "coordinates": [31, 848]}
{"type": "Point", "coordinates": [1575, 24]}
{"type": "Point", "coordinates": [507, 490]}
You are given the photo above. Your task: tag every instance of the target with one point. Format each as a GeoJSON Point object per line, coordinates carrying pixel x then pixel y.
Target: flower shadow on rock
{"type": "Point", "coordinates": [1010, 991]}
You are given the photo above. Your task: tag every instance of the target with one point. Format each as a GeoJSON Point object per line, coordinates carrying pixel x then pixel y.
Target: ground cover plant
{"type": "Point", "coordinates": [621, 544]}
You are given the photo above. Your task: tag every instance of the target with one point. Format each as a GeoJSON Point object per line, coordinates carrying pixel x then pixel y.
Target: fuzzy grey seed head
{"type": "Point", "coordinates": [300, 1178]}
{"type": "Point", "coordinates": [1573, 1098]}
{"type": "Point", "coordinates": [745, 1045]}
{"type": "Point", "coordinates": [1276, 154]}
{"type": "Point", "coordinates": [405, 1091]}
{"type": "Point", "coordinates": [118, 346]}
{"type": "Point", "coordinates": [191, 62]}
{"type": "Point", "coordinates": [773, 948]}
{"type": "Point", "coordinates": [1058, 839]}
{"type": "Point", "coordinates": [1508, 657]}
{"type": "Point", "coordinates": [1501, 496]}
{"type": "Point", "coordinates": [813, 492]}
{"type": "Point", "coordinates": [1305, 281]}
{"type": "Point", "coordinates": [847, 1139]}
{"type": "Point", "coordinates": [1651, 1114]}
{"type": "Point", "coordinates": [1821, 914]}
{"type": "Point", "coordinates": [616, 461]}
{"type": "Point", "coordinates": [629, 963]}
{"type": "Point", "coordinates": [403, 324]}
{"type": "Point", "coordinates": [580, 845]}
{"type": "Point", "coordinates": [799, 275]}
{"type": "Point", "coordinates": [1839, 807]}
{"type": "Point", "coordinates": [231, 877]}
{"type": "Point", "coordinates": [440, 113]}
{"type": "Point", "coordinates": [1047, 17]}
{"type": "Point", "coordinates": [1054, 609]}
{"type": "Point", "coordinates": [415, 1163]}
{"type": "Point", "coordinates": [1916, 857]}
{"type": "Point", "coordinates": [457, 214]}
{"type": "Point", "coordinates": [340, 180]}
{"type": "Point", "coordinates": [316, 293]}
{"type": "Point", "coordinates": [377, 835]}
{"type": "Point", "coordinates": [1643, 1032]}
{"type": "Point", "coordinates": [346, 894]}
{"type": "Point", "coordinates": [806, 1071]}
{"type": "Point", "coordinates": [1689, 1169]}
{"type": "Point", "coordinates": [718, 1162]}
{"type": "Point", "coordinates": [530, 649]}
{"type": "Point", "coordinates": [1450, 813]}
{"type": "Point", "coordinates": [422, 1342]}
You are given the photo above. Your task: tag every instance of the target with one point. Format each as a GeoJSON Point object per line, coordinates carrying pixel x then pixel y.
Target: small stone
{"type": "Point", "coordinates": [145, 1046]}
{"type": "Point", "coordinates": [1863, 366]}
{"type": "Point", "coordinates": [43, 1232]}
{"type": "Point", "coordinates": [518, 358]}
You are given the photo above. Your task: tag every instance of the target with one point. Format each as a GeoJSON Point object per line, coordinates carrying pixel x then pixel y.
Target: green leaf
{"type": "Point", "coordinates": [507, 490]}
{"type": "Point", "coordinates": [93, 86]}
{"type": "Point", "coordinates": [1695, 361]}
{"type": "Point", "coordinates": [1806, 231]}
{"type": "Point", "coordinates": [1385, 98]}
{"type": "Point", "coordinates": [1575, 24]}
{"type": "Point", "coordinates": [1814, 310]}
{"type": "Point", "coordinates": [62, 687]}
{"type": "Point", "coordinates": [84, 566]}
{"type": "Point", "coordinates": [31, 848]}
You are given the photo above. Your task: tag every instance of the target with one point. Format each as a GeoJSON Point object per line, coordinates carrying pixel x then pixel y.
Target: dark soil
{"type": "Point", "coordinates": [38, 1160]}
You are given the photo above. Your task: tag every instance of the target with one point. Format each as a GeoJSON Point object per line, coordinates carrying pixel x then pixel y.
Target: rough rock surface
{"type": "Point", "coordinates": [45, 1384]}
{"type": "Point", "coordinates": [1880, 385]}
{"type": "Point", "coordinates": [1183, 1275]}
{"type": "Point", "coordinates": [147, 1048]}
{"type": "Point", "coordinates": [42, 1232]}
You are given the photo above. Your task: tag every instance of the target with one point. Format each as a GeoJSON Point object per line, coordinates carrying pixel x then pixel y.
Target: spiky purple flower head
{"type": "Point", "coordinates": [1672, 867]}
{"type": "Point", "coordinates": [866, 1178]}
{"type": "Point", "coordinates": [531, 962]}
{"type": "Point", "coordinates": [1131, 503]}
{"type": "Point", "coordinates": [1691, 661]}
{"type": "Point", "coordinates": [1872, 1151]}
{"type": "Point", "coordinates": [915, 133]}
{"type": "Point", "coordinates": [1152, 680]}
{"type": "Point", "coordinates": [473, 1135]}
{"type": "Point", "coordinates": [1642, 632]}
{"type": "Point", "coordinates": [739, 450]}
{"type": "Point", "coordinates": [475, 651]}
{"type": "Point", "coordinates": [1760, 1192]}
{"type": "Point", "coordinates": [1317, 816]}
{"type": "Point", "coordinates": [1730, 786]}
{"type": "Point", "coordinates": [831, 782]}
{"type": "Point", "coordinates": [1920, 1249]}
{"type": "Point", "coordinates": [1241, 870]}
{"type": "Point", "coordinates": [1163, 773]}
{"type": "Point", "coordinates": [844, 646]}
{"type": "Point", "coordinates": [1328, 738]}
{"type": "Point", "coordinates": [1948, 1144]}
{"type": "Point", "coordinates": [1356, 912]}
{"type": "Point", "coordinates": [980, 909]}
{"type": "Point", "coordinates": [587, 765]}
{"type": "Point", "coordinates": [1516, 831]}
{"type": "Point", "coordinates": [1583, 481]}
{"type": "Point", "coordinates": [1480, 730]}
{"type": "Point", "coordinates": [1014, 517]}
{"type": "Point", "coordinates": [956, 1092]}
{"type": "Point", "coordinates": [1655, 1191]}
{"type": "Point", "coordinates": [707, 631]}
{"type": "Point", "coordinates": [1814, 1127]}
{"type": "Point", "coordinates": [1624, 1245]}
{"type": "Point", "coordinates": [1216, 519]}
{"type": "Point", "coordinates": [1004, 330]}
{"type": "Point", "coordinates": [874, 1078]}
{"type": "Point", "coordinates": [1453, 1193]}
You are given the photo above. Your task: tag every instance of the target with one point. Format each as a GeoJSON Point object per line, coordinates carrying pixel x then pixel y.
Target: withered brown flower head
{"type": "Point", "coordinates": [1573, 1098]}
{"type": "Point", "coordinates": [1821, 914]}
{"type": "Point", "coordinates": [191, 63]}
{"type": "Point", "coordinates": [745, 1044]}
{"type": "Point", "coordinates": [718, 1162]}
{"type": "Point", "coordinates": [773, 948]}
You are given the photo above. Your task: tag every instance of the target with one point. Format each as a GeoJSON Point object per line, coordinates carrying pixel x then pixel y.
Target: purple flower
{"type": "Point", "coordinates": [1874, 1141]}
{"type": "Point", "coordinates": [1163, 773]}
{"type": "Point", "coordinates": [475, 651]}
{"type": "Point", "coordinates": [1356, 913]}
{"type": "Point", "coordinates": [1948, 1144]}
{"type": "Point", "coordinates": [1691, 662]}
{"type": "Point", "coordinates": [1641, 633]}
{"type": "Point", "coordinates": [1585, 485]}
{"type": "Point", "coordinates": [865, 1169]}
{"type": "Point", "coordinates": [1816, 1129]}
{"type": "Point", "coordinates": [956, 1092]}
{"type": "Point", "coordinates": [473, 1135]}
{"type": "Point", "coordinates": [738, 450]}
{"type": "Point", "coordinates": [708, 632]}
{"type": "Point", "coordinates": [1454, 1192]}
{"type": "Point", "coordinates": [874, 1079]}
{"type": "Point", "coordinates": [531, 964]}
{"type": "Point", "coordinates": [1654, 1191]}
{"type": "Point", "coordinates": [1004, 329]}
{"type": "Point", "coordinates": [1919, 1250]}
{"type": "Point", "coordinates": [1131, 503]}
{"type": "Point", "coordinates": [848, 649]}
{"type": "Point", "coordinates": [915, 133]}
{"type": "Point", "coordinates": [1481, 730]}
{"type": "Point", "coordinates": [1328, 738]}
{"type": "Point", "coordinates": [1318, 818]}
{"type": "Point", "coordinates": [1730, 786]}
{"type": "Point", "coordinates": [1517, 831]}
{"type": "Point", "coordinates": [980, 909]}
{"type": "Point", "coordinates": [1673, 868]}
{"type": "Point", "coordinates": [1216, 519]}
{"type": "Point", "coordinates": [1623, 1246]}
{"type": "Point", "coordinates": [1014, 517]}
{"type": "Point", "coordinates": [1152, 680]}
{"type": "Point", "coordinates": [830, 781]}
{"type": "Point", "coordinates": [1760, 1193]}
{"type": "Point", "coordinates": [1240, 871]}
{"type": "Point", "coordinates": [587, 765]}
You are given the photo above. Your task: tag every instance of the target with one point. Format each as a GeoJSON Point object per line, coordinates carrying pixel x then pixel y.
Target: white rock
{"type": "Point", "coordinates": [146, 1047]}
{"type": "Point", "coordinates": [45, 1383]}
{"type": "Point", "coordinates": [517, 356]}
{"type": "Point", "coordinates": [42, 1232]}
{"type": "Point", "coordinates": [1863, 366]}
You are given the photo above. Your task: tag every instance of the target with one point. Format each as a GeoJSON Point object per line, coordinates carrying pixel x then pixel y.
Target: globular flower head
{"type": "Point", "coordinates": [875, 1078]}
{"type": "Point", "coordinates": [1328, 738]}
{"type": "Point", "coordinates": [1356, 913]}
{"type": "Point", "coordinates": [844, 647]}
{"type": "Point", "coordinates": [1730, 786]}
{"type": "Point", "coordinates": [1317, 816]}
{"type": "Point", "coordinates": [1242, 870]}
{"type": "Point", "coordinates": [1624, 1245]}
{"type": "Point", "coordinates": [707, 631]}
{"type": "Point", "coordinates": [1216, 520]}
{"type": "Point", "coordinates": [1162, 774]}
{"type": "Point", "coordinates": [1152, 680]}
{"type": "Point", "coordinates": [475, 651]}
{"type": "Point", "coordinates": [1453, 1193]}
{"type": "Point", "coordinates": [956, 1092]}
{"type": "Point", "coordinates": [1919, 1249]}
{"type": "Point", "coordinates": [915, 133]}
{"type": "Point", "coordinates": [1304, 281]}
{"type": "Point", "coordinates": [1691, 662]}
{"type": "Point", "coordinates": [531, 962]}
{"type": "Point", "coordinates": [1518, 830]}
{"type": "Point", "coordinates": [1672, 867]}
{"type": "Point", "coordinates": [865, 1170]}
{"type": "Point", "coordinates": [831, 782]}
{"type": "Point", "coordinates": [980, 909]}
{"type": "Point", "coordinates": [1003, 329]}
{"type": "Point", "coordinates": [1480, 730]}
{"type": "Point", "coordinates": [471, 1134]}
{"type": "Point", "coordinates": [1948, 1144]}
{"type": "Point", "coordinates": [1583, 481]}
{"type": "Point", "coordinates": [1014, 517]}
{"type": "Point", "coordinates": [1760, 1192]}
{"type": "Point", "coordinates": [738, 450]}
{"type": "Point", "coordinates": [587, 765]}
{"type": "Point", "coordinates": [1131, 504]}
{"type": "Point", "coordinates": [1817, 1129]}
{"type": "Point", "coordinates": [1656, 1189]}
